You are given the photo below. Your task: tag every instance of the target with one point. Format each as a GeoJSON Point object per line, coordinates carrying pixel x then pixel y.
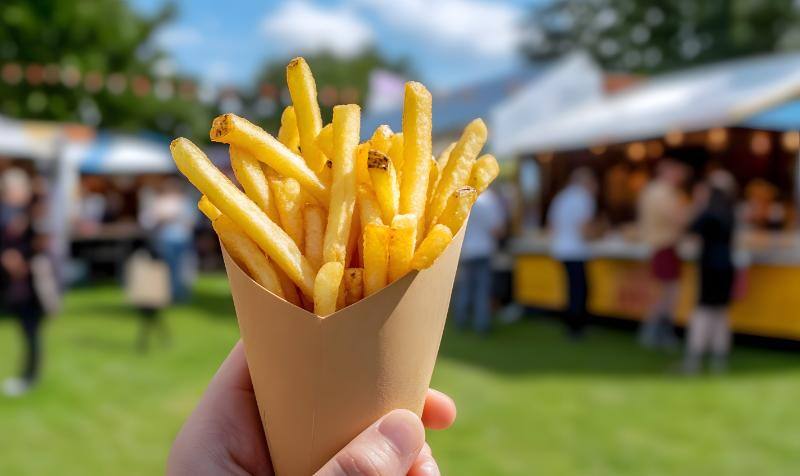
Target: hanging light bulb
{"type": "Point", "coordinates": [717, 139]}
{"type": "Point", "coordinates": [636, 151]}
{"type": "Point", "coordinates": [760, 143]}
{"type": "Point", "coordinates": [674, 138]}
{"type": "Point", "coordinates": [790, 140]}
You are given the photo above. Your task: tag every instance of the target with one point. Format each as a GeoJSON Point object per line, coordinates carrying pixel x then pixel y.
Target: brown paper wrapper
{"type": "Point", "coordinates": [320, 382]}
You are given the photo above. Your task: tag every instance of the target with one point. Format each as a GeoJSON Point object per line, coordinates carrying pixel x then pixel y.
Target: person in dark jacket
{"type": "Point", "coordinates": [709, 328]}
{"type": "Point", "coordinates": [17, 250]}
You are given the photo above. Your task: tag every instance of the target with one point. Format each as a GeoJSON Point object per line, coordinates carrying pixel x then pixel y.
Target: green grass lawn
{"type": "Point", "coordinates": [529, 401]}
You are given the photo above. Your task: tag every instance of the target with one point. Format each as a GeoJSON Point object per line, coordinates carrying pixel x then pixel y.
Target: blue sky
{"type": "Point", "coordinates": [448, 42]}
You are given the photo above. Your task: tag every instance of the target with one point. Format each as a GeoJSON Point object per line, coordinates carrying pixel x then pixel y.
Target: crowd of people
{"type": "Point", "coordinates": [665, 217]}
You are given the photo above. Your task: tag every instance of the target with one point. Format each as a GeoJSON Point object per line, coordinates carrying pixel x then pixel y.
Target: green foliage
{"type": "Point", "coordinates": [98, 36]}
{"type": "Point", "coordinates": [330, 71]}
{"type": "Point", "coordinates": [646, 36]}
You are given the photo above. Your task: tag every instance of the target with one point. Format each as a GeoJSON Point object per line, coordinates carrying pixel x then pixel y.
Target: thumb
{"type": "Point", "coordinates": [387, 448]}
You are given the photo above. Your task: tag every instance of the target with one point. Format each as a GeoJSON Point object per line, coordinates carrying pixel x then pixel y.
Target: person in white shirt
{"type": "Point", "coordinates": [473, 287]}
{"type": "Point", "coordinates": [571, 213]}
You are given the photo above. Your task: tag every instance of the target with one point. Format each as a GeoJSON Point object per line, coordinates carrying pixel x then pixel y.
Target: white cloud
{"type": "Point", "coordinates": [302, 27]}
{"type": "Point", "coordinates": [478, 27]}
{"type": "Point", "coordinates": [173, 37]}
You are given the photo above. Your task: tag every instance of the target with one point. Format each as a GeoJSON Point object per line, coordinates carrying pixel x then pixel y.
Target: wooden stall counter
{"type": "Point", "coordinates": [620, 284]}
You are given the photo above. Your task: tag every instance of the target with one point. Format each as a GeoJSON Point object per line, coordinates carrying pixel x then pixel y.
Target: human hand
{"type": "Point", "coordinates": [224, 435]}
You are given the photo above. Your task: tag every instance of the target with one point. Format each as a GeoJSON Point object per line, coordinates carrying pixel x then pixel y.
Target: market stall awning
{"type": "Point", "coordinates": [121, 154]}
{"type": "Point", "coordinates": [785, 117]}
{"type": "Point", "coordinates": [700, 98]}
{"type": "Point", "coordinates": [33, 140]}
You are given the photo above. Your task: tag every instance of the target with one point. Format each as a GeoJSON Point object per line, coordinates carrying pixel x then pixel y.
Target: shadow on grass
{"type": "Point", "coordinates": [538, 345]}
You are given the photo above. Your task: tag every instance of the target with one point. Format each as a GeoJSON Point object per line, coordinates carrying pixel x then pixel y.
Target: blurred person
{"type": "Point", "coordinates": [663, 216]}
{"type": "Point", "coordinates": [709, 328]}
{"type": "Point", "coordinates": [571, 216]}
{"type": "Point", "coordinates": [170, 217]}
{"type": "Point", "coordinates": [26, 286]}
{"type": "Point", "coordinates": [224, 434]}
{"type": "Point", "coordinates": [473, 286]}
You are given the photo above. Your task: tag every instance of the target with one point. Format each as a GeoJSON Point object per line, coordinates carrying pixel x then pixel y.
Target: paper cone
{"type": "Point", "coordinates": [320, 382]}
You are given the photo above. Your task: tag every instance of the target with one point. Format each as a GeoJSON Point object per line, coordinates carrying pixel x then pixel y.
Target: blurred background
{"type": "Point", "coordinates": [629, 296]}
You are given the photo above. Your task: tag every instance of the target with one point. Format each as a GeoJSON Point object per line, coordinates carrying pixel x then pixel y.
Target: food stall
{"type": "Point", "coordinates": [740, 116]}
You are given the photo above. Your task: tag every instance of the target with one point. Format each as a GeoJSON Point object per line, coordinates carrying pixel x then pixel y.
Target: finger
{"type": "Point", "coordinates": [389, 446]}
{"type": "Point", "coordinates": [424, 465]}
{"type": "Point", "coordinates": [439, 411]}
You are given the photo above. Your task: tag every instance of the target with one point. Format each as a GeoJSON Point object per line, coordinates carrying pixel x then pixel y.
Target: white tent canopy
{"type": "Point", "coordinates": [28, 139]}
{"type": "Point", "coordinates": [120, 154]}
{"type": "Point", "coordinates": [709, 96]}
{"type": "Point", "coordinates": [572, 81]}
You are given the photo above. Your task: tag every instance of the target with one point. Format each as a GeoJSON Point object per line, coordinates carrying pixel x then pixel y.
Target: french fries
{"type": "Point", "coordinates": [247, 254]}
{"type": "Point", "coordinates": [234, 130]}
{"type": "Point", "coordinates": [368, 208]}
{"type": "Point", "coordinates": [309, 121]}
{"type": "Point", "coordinates": [384, 182]}
{"type": "Point", "coordinates": [251, 176]}
{"type": "Point", "coordinates": [314, 228]}
{"type": "Point", "coordinates": [353, 285]}
{"type": "Point", "coordinates": [208, 208]}
{"type": "Point", "coordinates": [431, 247]}
{"type": "Point", "coordinates": [326, 288]}
{"type": "Point", "coordinates": [194, 164]}
{"type": "Point", "coordinates": [457, 170]}
{"type": "Point", "coordinates": [381, 139]}
{"type": "Point", "coordinates": [324, 221]}
{"type": "Point", "coordinates": [325, 140]}
{"type": "Point", "coordinates": [376, 257]}
{"type": "Point", "coordinates": [343, 188]}
{"type": "Point", "coordinates": [288, 134]}
{"type": "Point", "coordinates": [485, 170]}
{"type": "Point", "coordinates": [402, 238]}
{"type": "Point", "coordinates": [457, 209]}
{"type": "Point", "coordinates": [416, 150]}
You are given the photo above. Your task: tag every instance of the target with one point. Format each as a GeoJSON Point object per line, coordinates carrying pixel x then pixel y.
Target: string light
{"type": "Point", "coordinates": [598, 149]}
{"type": "Point", "coordinates": [790, 141]}
{"type": "Point", "coordinates": [717, 139]}
{"type": "Point", "coordinates": [636, 151]}
{"type": "Point", "coordinates": [674, 138]}
{"type": "Point", "coordinates": [655, 149]}
{"type": "Point", "coordinates": [760, 143]}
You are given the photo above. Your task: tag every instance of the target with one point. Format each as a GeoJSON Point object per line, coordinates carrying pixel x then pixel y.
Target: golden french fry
{"type": "Point", "coordinates": [362, 161]}
{"type": "Point", "coordinates": [384, 183]}
{"type": "Point", "coordinates": [381, 139]}
{"type": "Point", "coordinates": [353, 257]}
{"type": "Point", "coordinates": [234, 130]}
{"type": "Point", "coordinates": [376, 257]}
{"type": "Point", "coordinates": [457, 209]}
{"type": "Point", "coordinates": [353, 285]}
{"type": "Point", "coordinates": [485, 170]}
{"type": "Point", "coordinates": [396, 152]}
{"type": "Point", "coordinates": [314, 228]}
{"type": "Point", "coordinates": [303, 90]}
{"type": "Point", "coordinates": [247, 254]}
{"type": "Point", "coordinates": [458, 168]}
{"type": "Point", "coordinates": [441, 161]}
{"type": "Point", "coordinates": [290, 290]}
{"type": "Point", "coordinates": [208, 208]}
{"type": "Point", "coordinates": [416, 150]}
{"type": "Point", "coordinates": [250, 175]}
{"type": "Point", "coordinates": [326, 288]}
{"type": "Point", "coordinates": [290, 200]}
{"type": "Point", "coordinates": [431, 247]}
{"type": "Point", "coordinates": [325, 140]}
{"type": "Point", "coordinates": [346, 129]}
{"type": "Point", "coordinates": [402, 239]}
{"type": "Point", "coordinates": [432, 181]}
{"type": "Point", "coordinates": [288, 134]}
{"type": "Point", "coordinates": [368, 209]}
{"type": "Point", "coordinates": [233, 203]}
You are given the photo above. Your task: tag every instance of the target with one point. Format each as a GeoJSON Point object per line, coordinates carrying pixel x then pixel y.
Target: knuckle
{"type": "Point", "coordinates": [365, 463]}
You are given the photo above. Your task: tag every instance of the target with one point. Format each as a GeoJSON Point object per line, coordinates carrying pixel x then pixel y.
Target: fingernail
{"type": "Point", "coordinates": [404, 430]}
{"type": "Point", "coordinates": [430, 469]}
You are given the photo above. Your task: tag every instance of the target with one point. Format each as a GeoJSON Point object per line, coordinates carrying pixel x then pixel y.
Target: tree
{"type": "Point", "coordinates": [84, 61]}
{"type": "Point", "coordinates": [339, 80]}
{"type": "Point", "coordinates": [643, 36]}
